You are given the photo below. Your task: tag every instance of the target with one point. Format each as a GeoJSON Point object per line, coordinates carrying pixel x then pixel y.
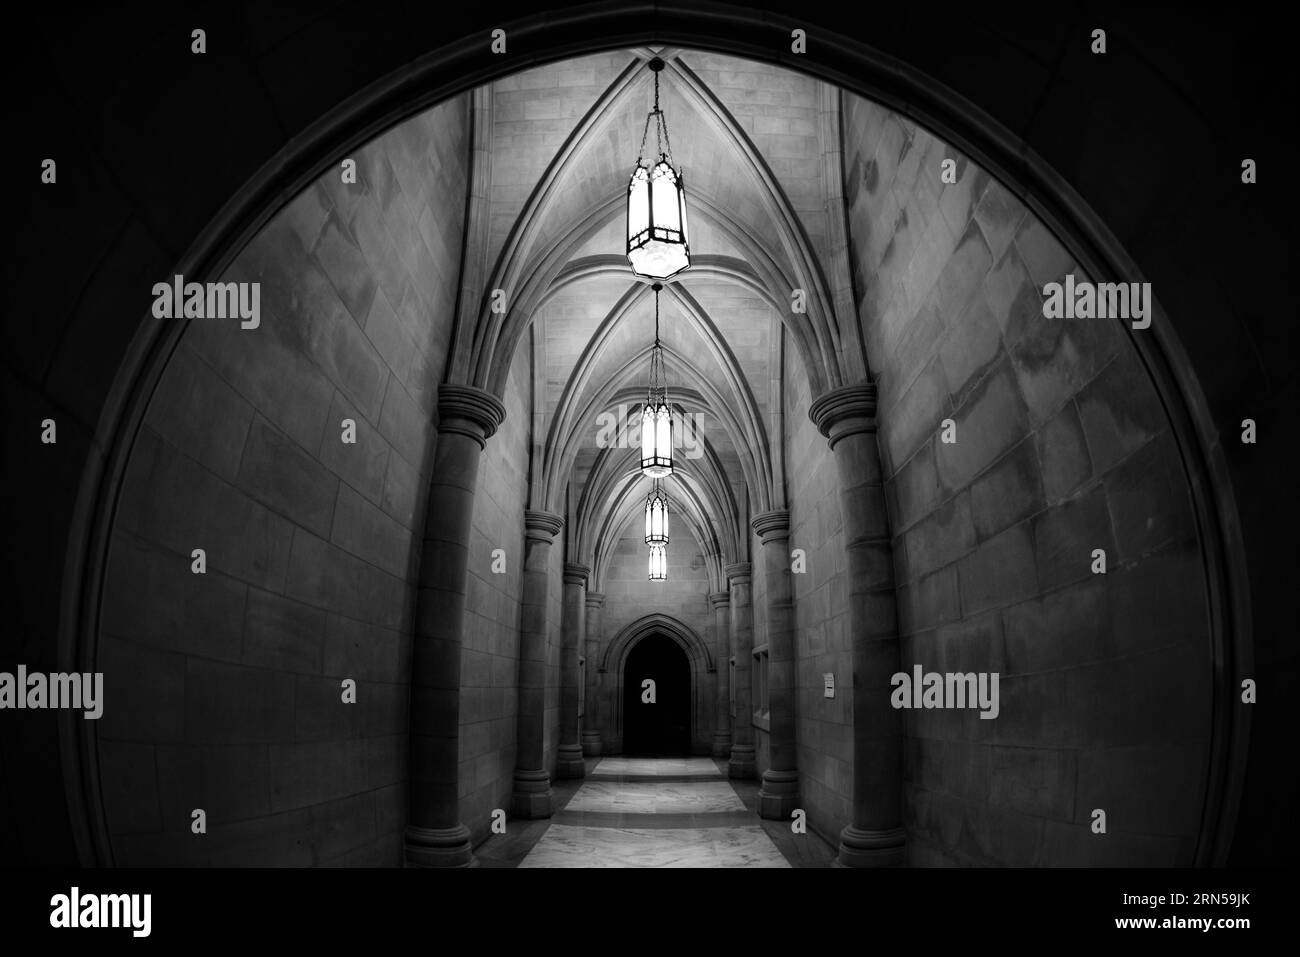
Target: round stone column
{"type": "Point", "coordinates": [779, 794]}
{"type": "Point", "coordinates": [435, 836]}
{"type": "Point", "coordinates": [847, 417]}
{"type": "Point", "coordinates": [569, 753]}
{"type": "Point", "coordinates": [592, 717]}
{"type": "Point", "coordinates": [532, 787]}
{"type": "Point", "coordinates": [720, 602]}
{"type": "Point", "coordinates": [742, 765]}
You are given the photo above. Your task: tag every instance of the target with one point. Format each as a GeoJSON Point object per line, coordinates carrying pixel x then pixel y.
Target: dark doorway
{"type": "Point", "coordinates": [661, 729]}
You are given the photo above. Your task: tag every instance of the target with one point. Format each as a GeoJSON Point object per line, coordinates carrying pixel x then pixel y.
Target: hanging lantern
{"type": "Point", "coordinates": [658, 563]}
{"type": "Point", "coordinates": [657, 416]}
{"type": "Point", "coordinates": [656, 516]}
{"type": "Point", "coordinates": [657, 246]}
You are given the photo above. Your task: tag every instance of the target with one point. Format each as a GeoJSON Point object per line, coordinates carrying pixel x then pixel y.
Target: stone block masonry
{"type": "Point", "coordinates": [1061, 448]}
{"type": "Point", "coordinates": [230, 681]}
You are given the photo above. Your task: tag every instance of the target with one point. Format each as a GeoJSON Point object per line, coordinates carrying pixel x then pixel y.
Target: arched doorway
{"type": "Point", "coordinates": [657, 717]}
{"type": "Point", "coordinates": [618, 663]}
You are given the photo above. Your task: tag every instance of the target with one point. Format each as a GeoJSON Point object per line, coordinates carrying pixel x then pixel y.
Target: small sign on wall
{"type": "Point", "coordinates": [829, 679]}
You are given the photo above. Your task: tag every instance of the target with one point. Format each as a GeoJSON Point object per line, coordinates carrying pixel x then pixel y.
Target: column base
{"type": "Point", "coordinates": [438, 846]}
{"type": "Point", "coordinates": [742, 767]}
{"type": "Point", "coordinates": [532, 797]}
{"type": "Point", "coordinates": [860, 847]}
{"type": "Point", "coordinates": [591, 743]}
{"type": "Point", "coordinates": [779, 795]}
{"type": "Point", "coordinates": [721, 744]}
{"type": "Point", "coordinates": [569, 762]}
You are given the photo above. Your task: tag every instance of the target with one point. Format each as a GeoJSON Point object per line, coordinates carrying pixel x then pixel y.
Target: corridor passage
{"type": "Point", "coordinates": [657, 812]}
{"type": "Point", "coordinates": [513, 498]}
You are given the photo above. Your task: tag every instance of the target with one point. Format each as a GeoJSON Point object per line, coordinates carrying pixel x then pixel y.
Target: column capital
{"type": "Point", "coordinates": [771, 525]}
{"type": "Point", "coordinates": [720, 599]}
{"type": "Point", "coordinates": [739, 572]}
{"type": "Point", "coordinates": [471, 411]}
{"type": "Point", "coordinates": [595, 599]}
{"type": "Point", "coordinates": [575, 573]}
{"type": "Point", "coordinates": [542, 526]}
{"type": "Point", "coordinates": [845, 411]}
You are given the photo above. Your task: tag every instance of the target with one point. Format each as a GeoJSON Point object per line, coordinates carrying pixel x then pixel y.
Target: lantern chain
{"type": "Point", "coordinates": [656, 315]}
{"type": "Point", "coordinates": [663, 145]}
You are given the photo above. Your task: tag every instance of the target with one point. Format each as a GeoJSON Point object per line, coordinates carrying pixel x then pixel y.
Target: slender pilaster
{"type": "Point", "coordinates": [779, 794]}
{"type": "Point", "coordinates": [532, 788]}
{"type": "Point", "coordinates": [435, 836]}
{"type": "Point", "coordinates": [742, 763]}
{"type": "Point", "coordinates": [569, 757]}
{"type": "Point", "coordinates": [875, 838]}
{"type": "Point", "coordinates": [591, 720]}
{"type": "Point", "coordinates": [720, 602]}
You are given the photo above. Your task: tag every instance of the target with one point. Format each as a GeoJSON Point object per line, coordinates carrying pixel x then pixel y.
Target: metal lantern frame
{"type": "Point", "coordinates": [658, 563]}
{"type": "Point", "coordinates": [649, 180]}
{"type": "Point", "coordinates": [656, 516]}
{"type": "Point", "coordinates": [657, 414]}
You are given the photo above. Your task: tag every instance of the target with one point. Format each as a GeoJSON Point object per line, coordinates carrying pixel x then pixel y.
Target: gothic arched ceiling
{"type": "Point", "coordinates": [759, 150]}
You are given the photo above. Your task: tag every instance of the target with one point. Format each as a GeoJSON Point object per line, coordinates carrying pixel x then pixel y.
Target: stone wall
{"type": "Point", "coordinates": [1061, 448]}
{"type": "Point", "coordinates": [224, 689]}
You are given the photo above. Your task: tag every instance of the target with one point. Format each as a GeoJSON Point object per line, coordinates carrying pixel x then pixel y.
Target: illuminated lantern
{"type": "Point", "coordinates": [657, 246]}
{"type": "Point", "coordinates": [657, 416]}
{"type": "Point", "coordinates": [658, 563]}
{"type": "Point", "coordinates": [656, 516]}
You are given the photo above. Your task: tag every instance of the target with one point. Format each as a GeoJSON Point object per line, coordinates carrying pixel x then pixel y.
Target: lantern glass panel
{"type": "Point", "coordinates": [638, 207]}
{"type": "Point", "coordinates": [647, 435]}
{"type": "Point", "coordinates": [667, 208]}
{"type": "Point", "coordinates": [658, 563]}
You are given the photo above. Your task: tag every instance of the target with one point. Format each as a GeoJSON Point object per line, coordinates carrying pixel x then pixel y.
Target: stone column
{"type": "Point", "coordinates": [742, 763]}
{"type": "Point", "coordinates": [591, 720]}
{"type": "Point", "coordinates": [435, 836]}
{"type": "Point", "coordinates": [779, 794]}
{"type": "Point", "coordinates": [847, 417]}
{"type": "Point", "coordinates": [721, 604]}
{"type": "Point", "coordinates": [532, 788]}
{"type": "Point", "coordinates": [569, 758]}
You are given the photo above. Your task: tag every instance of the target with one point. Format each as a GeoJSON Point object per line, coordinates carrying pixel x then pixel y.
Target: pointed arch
{"type": "Point", "coordinates": [620, 645]}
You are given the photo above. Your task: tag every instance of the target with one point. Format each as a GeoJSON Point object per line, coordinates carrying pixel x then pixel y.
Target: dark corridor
{"type": "Point", "coordinates": [661, 728]}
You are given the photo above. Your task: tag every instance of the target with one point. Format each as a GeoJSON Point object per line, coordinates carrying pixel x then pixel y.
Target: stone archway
{"type": "Point", "coordinates": [453, 69]}
{"type": "Point", "coordinates": [613, 668]}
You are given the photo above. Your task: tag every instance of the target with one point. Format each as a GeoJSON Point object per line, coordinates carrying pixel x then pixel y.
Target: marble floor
{"type": "Point", "coordinates": [656, 767]}
{"type": "Point", "coordinates": [655, 798]}
{"type": "Point", "coordinates": [654, 812]}
{"type": "Point", "coordinates": [566, 846]}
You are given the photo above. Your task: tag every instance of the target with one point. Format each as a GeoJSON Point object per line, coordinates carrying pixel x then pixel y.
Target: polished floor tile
{"type": "Point", "coordinates": [658, 767]}
{"type": "Point", "coordinates": [655, 798]}
{"type": "Point", "coordinates": [633, 812]}
{"type": "Point", "coordinates": [565, 846]}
